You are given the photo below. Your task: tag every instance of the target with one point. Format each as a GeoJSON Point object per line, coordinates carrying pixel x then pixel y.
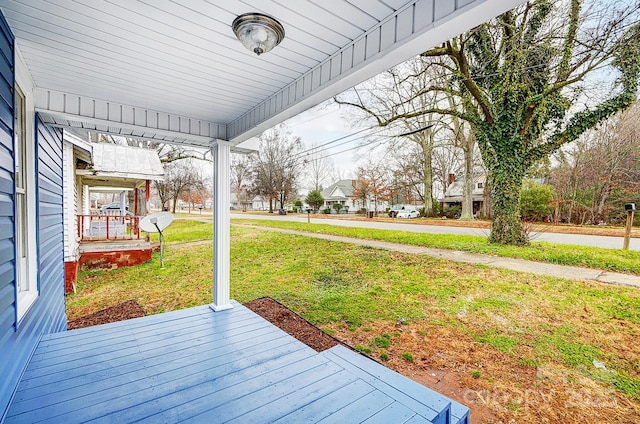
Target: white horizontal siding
{"type": "Point", "coordinates": [69, 193]}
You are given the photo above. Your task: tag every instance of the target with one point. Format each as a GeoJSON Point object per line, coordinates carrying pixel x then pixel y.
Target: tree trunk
{"type": "Point", "coordinates": [427, 151]}
{"type": "Point", "coordinates": [486, 201]}
{"type": "Point", "coordinates": [467, 189]}
{"type": "Point", "coordinates": [507, 228]}
{"type": "Point", "coordinates": [604, 196]}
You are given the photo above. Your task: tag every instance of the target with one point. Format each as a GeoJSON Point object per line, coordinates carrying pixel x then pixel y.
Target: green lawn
{"type": "Point", "coordinates": [546, 328]}
{"type": "Point", "coordinates": [627, 261]}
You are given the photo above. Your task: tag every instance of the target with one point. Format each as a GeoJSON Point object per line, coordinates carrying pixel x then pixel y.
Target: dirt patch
{"type": "Point", "coordinates": [266, 307]}
{"type": "Point", "coordinates": [292, 323]}
{"type": "Point", "coordinates": [496, 387]}
{"type": "Point", "coordinates": [125, 310]}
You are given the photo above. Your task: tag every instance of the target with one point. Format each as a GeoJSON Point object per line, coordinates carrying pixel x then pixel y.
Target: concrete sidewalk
{"type": "Point", "coordinates": [521, 265]}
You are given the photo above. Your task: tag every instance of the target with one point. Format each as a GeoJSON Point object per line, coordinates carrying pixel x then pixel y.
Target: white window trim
{"type": "Point", "coordinates": [26, 298]}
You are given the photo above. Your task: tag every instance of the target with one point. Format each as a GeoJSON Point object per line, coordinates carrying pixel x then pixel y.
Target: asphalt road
{"type": "Point", "coordinates": [576, 239]}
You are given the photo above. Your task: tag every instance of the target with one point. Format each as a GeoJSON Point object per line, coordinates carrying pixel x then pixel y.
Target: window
{"type": "Point", "coordinates": [27, 292]}
{"type": "Point", "coordinates": [480, 185]}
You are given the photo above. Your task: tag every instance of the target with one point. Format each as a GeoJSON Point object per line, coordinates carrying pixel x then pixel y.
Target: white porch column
{"type": "Point", "coordinates": [86, 200]}
{"type": "Point", "coordinates": [221, 225]}
{"type": "Point", "coordinates": [123, 203]}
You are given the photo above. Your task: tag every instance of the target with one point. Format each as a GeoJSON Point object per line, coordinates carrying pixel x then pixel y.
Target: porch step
{"type": "Point", "coordinates": [113, 246]}
{"type": "Point", "coordinates": [438, 409]}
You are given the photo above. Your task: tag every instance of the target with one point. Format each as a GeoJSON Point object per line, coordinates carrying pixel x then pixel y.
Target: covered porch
{"type": "Point", "coordinates": [196, 365]}
{"type": "Point", "coordinates": [174, 72]}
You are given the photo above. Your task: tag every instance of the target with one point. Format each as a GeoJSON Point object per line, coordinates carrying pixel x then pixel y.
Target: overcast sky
{"type": "Point", "coordinates": [323, 124]}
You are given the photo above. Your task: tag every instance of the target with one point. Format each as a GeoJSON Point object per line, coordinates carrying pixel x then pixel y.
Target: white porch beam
{"type": "Point", "coordinates": [221, 153]}
{"type": "Point", "coordinates": [73, 111]}
{"type": "Point", "coordinates": [418, 26]}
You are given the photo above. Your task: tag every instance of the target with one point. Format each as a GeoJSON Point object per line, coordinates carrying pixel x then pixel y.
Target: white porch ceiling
{"type": "Point", "coordinates": [173, 70]}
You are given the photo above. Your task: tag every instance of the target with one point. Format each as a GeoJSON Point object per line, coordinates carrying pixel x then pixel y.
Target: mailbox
{"type": "Point", "coordinates": [630, 207]}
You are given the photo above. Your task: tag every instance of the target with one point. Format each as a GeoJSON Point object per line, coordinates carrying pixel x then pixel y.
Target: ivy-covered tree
{"type": "Point", "coordinates": [522, 82]}
{"type": "Point", "coordinates": [522, 78]}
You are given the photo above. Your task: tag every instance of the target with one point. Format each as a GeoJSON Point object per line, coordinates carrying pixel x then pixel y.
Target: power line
{"type": "Point", "coordinates": [333, 141]}
{"type": "Point", "coordinates": [316, 117]}
{"type": "Point", "coordinates": [351, 148]}
{"type": "Point", "coordinates": [318, 148]}
{"type": "Point", "coordinates": [361, 138]}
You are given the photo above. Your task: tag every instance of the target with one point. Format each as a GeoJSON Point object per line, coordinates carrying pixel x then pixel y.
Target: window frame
{"type": "Point", "coordinates": [27, 287]}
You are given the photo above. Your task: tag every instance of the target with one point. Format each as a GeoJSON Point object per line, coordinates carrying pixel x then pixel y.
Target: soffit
{"type": "Point", "coordinates": [179, 61]}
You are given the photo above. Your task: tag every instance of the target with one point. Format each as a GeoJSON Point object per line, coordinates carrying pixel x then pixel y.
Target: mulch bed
{"type": "Point", "coordinates": [125, 310]}
{"type": "Point", "coordinates": [292, 323]}
{"type": "Point", "coordinates": [269, 309]}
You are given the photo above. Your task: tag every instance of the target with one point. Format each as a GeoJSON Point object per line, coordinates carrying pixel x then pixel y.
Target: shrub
{"type": "Point", "coordinates": [362, 349]}
{"type": "Point", "coordinates": [407, 356]}
{"type": "Point", "coordinates": [535, 200]}
{"type": "Point", "coordinates": [382, 341]}
{"type": "Point", "coordinates": [453, 212]}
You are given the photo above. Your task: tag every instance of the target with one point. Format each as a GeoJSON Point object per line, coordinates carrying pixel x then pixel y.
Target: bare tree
{"type": "Point", "coordinates": [319, 168]}
{"type": "Point", "coordinates": [600, 170]}
{"type": "Point", "coordinates": [277, 165]}
{"type": "Point", "coordinates": [392, 99]}
{"type": "Point", "coordinates": [242, 178]}
{"type": "Point", "coordinates": [179, 176]}
{"type": "Point", "coordinates": [372, 184]}
{"type": "Point", "coordinates": [407, 170]}
{"type": "Point", "coordinates": [519, 77]}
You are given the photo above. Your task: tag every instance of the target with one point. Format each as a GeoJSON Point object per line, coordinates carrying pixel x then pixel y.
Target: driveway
{"type": "Point", "coordinates": [576, 239]}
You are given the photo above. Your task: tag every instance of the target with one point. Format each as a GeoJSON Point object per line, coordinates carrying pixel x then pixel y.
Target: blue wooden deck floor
{"type": "Point", "coordinates": [196, 365]}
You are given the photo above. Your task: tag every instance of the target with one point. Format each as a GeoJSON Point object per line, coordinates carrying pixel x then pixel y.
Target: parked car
{"type": "Point", "coordinates": [408, 213]}
{"type": "Point", "coordinates": [393, 212]}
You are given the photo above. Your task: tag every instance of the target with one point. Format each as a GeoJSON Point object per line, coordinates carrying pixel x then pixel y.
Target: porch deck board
{"type": "Point", "coordinates": [196, 365]}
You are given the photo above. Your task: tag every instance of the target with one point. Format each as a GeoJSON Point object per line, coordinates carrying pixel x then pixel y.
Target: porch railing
{"type": "Point", "coordinates": [108, 227]}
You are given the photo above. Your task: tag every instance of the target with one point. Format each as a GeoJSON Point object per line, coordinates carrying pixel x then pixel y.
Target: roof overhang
{"type": "Point", "coordinates": [172, 72]}
{"type": "Point", "coordinates": [121, 166]}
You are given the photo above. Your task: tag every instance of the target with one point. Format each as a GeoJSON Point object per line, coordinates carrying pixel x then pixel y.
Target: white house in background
{"type": "Point", "coordinates": [259, 203]}
{"type": "Point", "coordinates": [453, 194]}
{"type": "Point", "coordinates": [343, 192]}
{"type": "Point", "coordinates": [104, 168]}
{"type": "Point", "coordinates": [340, 192]}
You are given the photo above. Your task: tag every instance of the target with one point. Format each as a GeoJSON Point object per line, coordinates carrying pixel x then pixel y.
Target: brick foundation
{"type": "Point", "coordinates": [112, 260]}
{"type": "Point", "coordinates": [70, 276]}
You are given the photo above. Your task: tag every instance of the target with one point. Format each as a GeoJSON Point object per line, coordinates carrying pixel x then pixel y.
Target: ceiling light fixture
{"type": "Point", "coordinates": [257, 32]}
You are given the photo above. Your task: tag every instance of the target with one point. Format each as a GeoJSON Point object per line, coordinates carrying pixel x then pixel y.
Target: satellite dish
{"type": "Point", "coordinates": [156, 222]}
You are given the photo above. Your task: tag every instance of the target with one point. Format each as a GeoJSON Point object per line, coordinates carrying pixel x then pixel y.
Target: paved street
{"type": "Point", "coordinates": [577, 239]}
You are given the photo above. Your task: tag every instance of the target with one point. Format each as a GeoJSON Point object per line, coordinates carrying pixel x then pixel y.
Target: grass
{"type": "Point", "coordinates": [184, 231]}
{"type": "Point", "coordinates": [516, 330]}
{"type": "Point", "coordinates": [585, 256]}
